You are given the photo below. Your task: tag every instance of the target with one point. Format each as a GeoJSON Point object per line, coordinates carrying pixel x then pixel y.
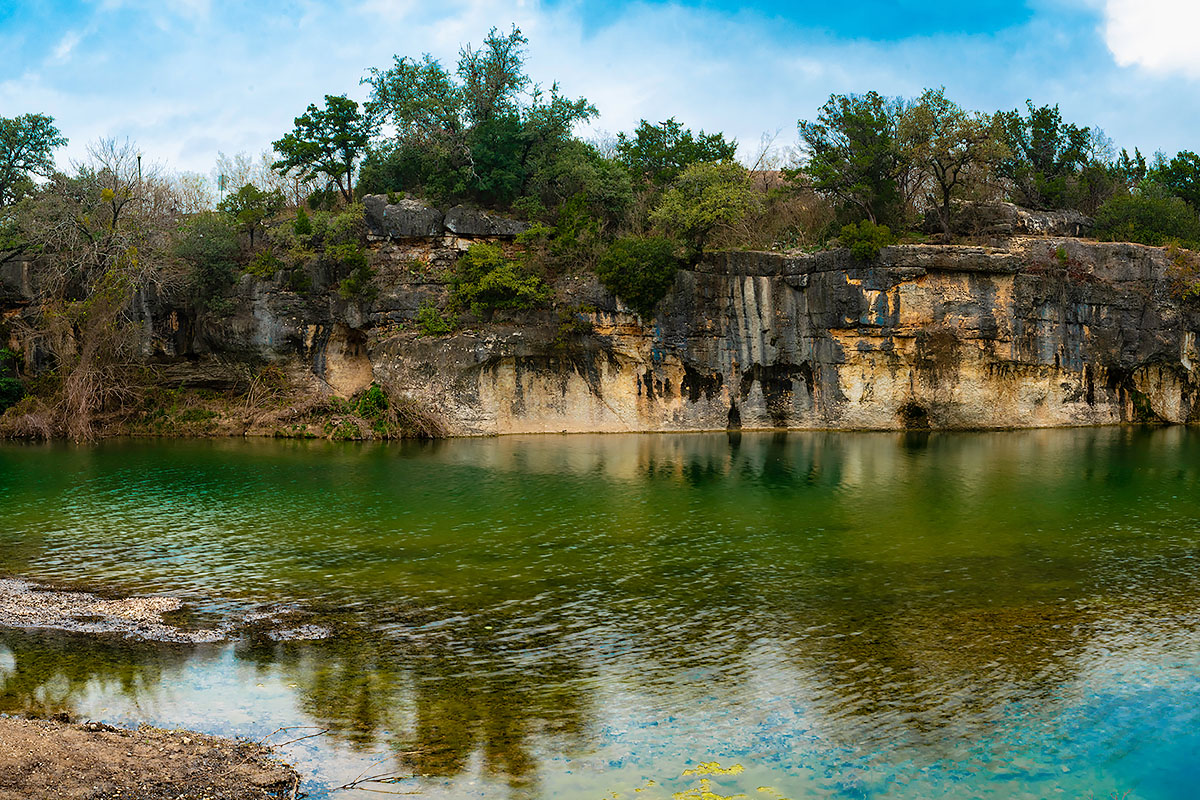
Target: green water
{"type": "Point", "coordinates": [844, 615]}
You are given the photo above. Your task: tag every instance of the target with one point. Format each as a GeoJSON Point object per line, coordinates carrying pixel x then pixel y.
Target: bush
{"type": "Point", "coordinates": [865, 239]}
{"type": "Point", "coordinates": [264, 265]}
{"type": "Point", "coordinates": [486, 281]}
{"type": "Point", "coordinates": [11, 392]}
{"type": "Point", "coordinates": [303, 225]}
{"type": "Point", "coordinates": [350, 258]}
{"type": "Point", "coordinates": [431, 322]}
{"type": "Point", "coordinates": [639, 271]}
{"type": "Point", "coordinates": [1147, 218]}
{"type": "Point", "coordinates": [210, 244]}
{"type": "Point", "coordinates": [705, 197]}
{"type": "Point", "coordinates": [373, 403]}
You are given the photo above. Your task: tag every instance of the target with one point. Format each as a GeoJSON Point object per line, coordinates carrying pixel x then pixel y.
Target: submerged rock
{"type": "Point", "coordinates": [26, 605]}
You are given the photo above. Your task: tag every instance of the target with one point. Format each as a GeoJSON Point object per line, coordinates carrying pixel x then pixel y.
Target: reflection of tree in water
{"type": "Point", "coordinates": [490, 704]}
{"type": "Point", "coordinates": [51, 672]}
{"type": "Point", "coordinates": [442, 701]}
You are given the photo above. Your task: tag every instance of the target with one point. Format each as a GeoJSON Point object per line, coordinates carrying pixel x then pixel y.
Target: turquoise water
{"type": "Point", "coordinates": [1000, 615]}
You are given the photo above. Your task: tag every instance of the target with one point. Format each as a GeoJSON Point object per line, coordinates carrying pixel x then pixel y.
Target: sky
{"type": "Point", "coordinates": [186, 79]}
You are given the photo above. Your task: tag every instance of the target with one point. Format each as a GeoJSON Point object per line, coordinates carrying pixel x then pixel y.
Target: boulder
{"type": "Point", "coordinates": [1007, 219]}
{"type": "Point", "coordinates": [471, 222]}
{"type": "Point", "coordinates": [406, 219]}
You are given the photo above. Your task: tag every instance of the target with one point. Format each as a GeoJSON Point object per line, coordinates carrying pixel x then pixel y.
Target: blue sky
{"type": "Point", "coordinates": [188, 78]}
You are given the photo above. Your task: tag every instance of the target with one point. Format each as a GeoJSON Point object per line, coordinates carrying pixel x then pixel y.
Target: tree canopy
{"type": "Point", "coordinates": [326, 141]}
{"type": "Point", "coordinates": [853, 154]}
{"type": "Point", "coordinates": [659, 153]}
{"type": "Point", "coordinates": [27, 145]}
{"type": "Point", "coordinates": [1043, 154]}
{"type": "Point", "coordinates": [479, 134]}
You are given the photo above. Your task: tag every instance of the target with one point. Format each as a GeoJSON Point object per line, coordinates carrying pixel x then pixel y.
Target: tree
{"type": "Point", "coordinates": [1043, 155]}
{"type": "Point", "coordinates": [659, 153]}
{"type": "Point", "coordinates": [478, 134]}
{"type": "Point", "coordinates": [27, 143]}
{"type": "Point", "coordinates": [327, 142]}
{"type": "Point", "coordinates": [1180, 176]}
{"type": "Point", "coordinates": [853, 155]}
{"type": "Point", "coordinates": [209, 243]}
{"type": "Point", "coordinates": [250, 206]}
{"type": "Point", "coordinates": [705, 196]}
{"type": "Point", "coordinates": [106, 232]}
{"type": "Point", "coordinates": [948, 146]}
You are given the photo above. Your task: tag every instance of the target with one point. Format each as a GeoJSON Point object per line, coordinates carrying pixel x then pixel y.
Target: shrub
{"type": "Point", "coordinates": [705, 197]}
{"type": "Point", "coordinates": [11, 392]}
{"type": "Point", "coordinates": [431, 321]}
{"type": "Point", "coordinates": [865, 239]}
{"type": "Point", "coordinates": [373, 403]}
{"type": "Point", "coordinates": [1148, 217]}
{"type": "Point", "coordinates": [303, 224]}
{"type": "Point", "coordinates": [351, 258]}
{"type": "Point", "coordinates": [264, 265]}
{"type": "Point", "coordinates": [486, 281]}
{"type": "Point", "coordinates": [640, 271]}
{"type": "Point", "coordinates": [210, 244]}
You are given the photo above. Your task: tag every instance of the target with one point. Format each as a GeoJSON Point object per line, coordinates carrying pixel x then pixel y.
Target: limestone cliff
{"type": "Point", "coordinates": [1033, 332]}
{"type": "Point", "coordinates": [931, 336]}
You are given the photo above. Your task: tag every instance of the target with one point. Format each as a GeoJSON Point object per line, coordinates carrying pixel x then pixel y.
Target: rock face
{"type": "Point", "coordinates": [473, 223]}
{"type": "Point", "coordinates": [1040, 332]}
{"type": "Point", "coordinates": [412, 219]}
{"type": "Point", "coordinates": [929, 337]}
{"type": "Point", "coordinates": [406, 219]}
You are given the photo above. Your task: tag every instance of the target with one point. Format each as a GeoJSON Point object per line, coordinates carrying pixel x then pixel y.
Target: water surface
{"type": "Point", "coordinates": [1001, 615]}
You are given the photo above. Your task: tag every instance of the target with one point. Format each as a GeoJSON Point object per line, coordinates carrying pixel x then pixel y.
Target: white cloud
{"type": "Point", "coordinates": [65, 45]}
{"type": "Point", "coordinates": [1158, 35]}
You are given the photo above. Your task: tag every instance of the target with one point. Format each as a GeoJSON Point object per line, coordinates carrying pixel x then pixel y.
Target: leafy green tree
{"type": "Point", "coordinates": [640, 271]}
{"type": "Point", "coordinates": [326, 141]}
{"type": "Point", "coordinates": [27, 144]}
{"type": "Point", "coordinates": [854, 155]}
{"type": "Point", "coordinates": [1130, 170]}
{"type": "Point", "coordinates": [948, 146]}
{"type": "Point", "coordinates": [1043, 155]}
{"type": "Point", "coordinates": [705, 196]}
{"type": "Point", "coordinates": [1180, 176]}
{"type": "Point", "coordinates": [578, 173]}
{"type": "Point", "coordinates": [477, 134]}
{"type": "Point", "coordinates": [251, 206]}
{"type": "Point", "coordinates": [659, 153]}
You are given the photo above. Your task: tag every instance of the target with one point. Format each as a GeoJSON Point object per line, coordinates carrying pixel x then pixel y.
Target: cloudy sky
{"type": "Point", "coordinates": [188, 78]}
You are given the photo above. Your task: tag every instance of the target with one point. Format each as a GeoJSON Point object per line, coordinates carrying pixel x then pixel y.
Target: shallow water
{"type": "Point", "coordinates": [843, 615]}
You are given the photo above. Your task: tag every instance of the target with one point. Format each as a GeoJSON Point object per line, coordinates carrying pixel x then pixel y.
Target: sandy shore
{"type": "Point", "coordinates": [46, 759]}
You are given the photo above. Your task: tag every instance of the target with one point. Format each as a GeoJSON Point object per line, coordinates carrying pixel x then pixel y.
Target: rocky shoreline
{"type": "Point", "coordinates": [30, 605]}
